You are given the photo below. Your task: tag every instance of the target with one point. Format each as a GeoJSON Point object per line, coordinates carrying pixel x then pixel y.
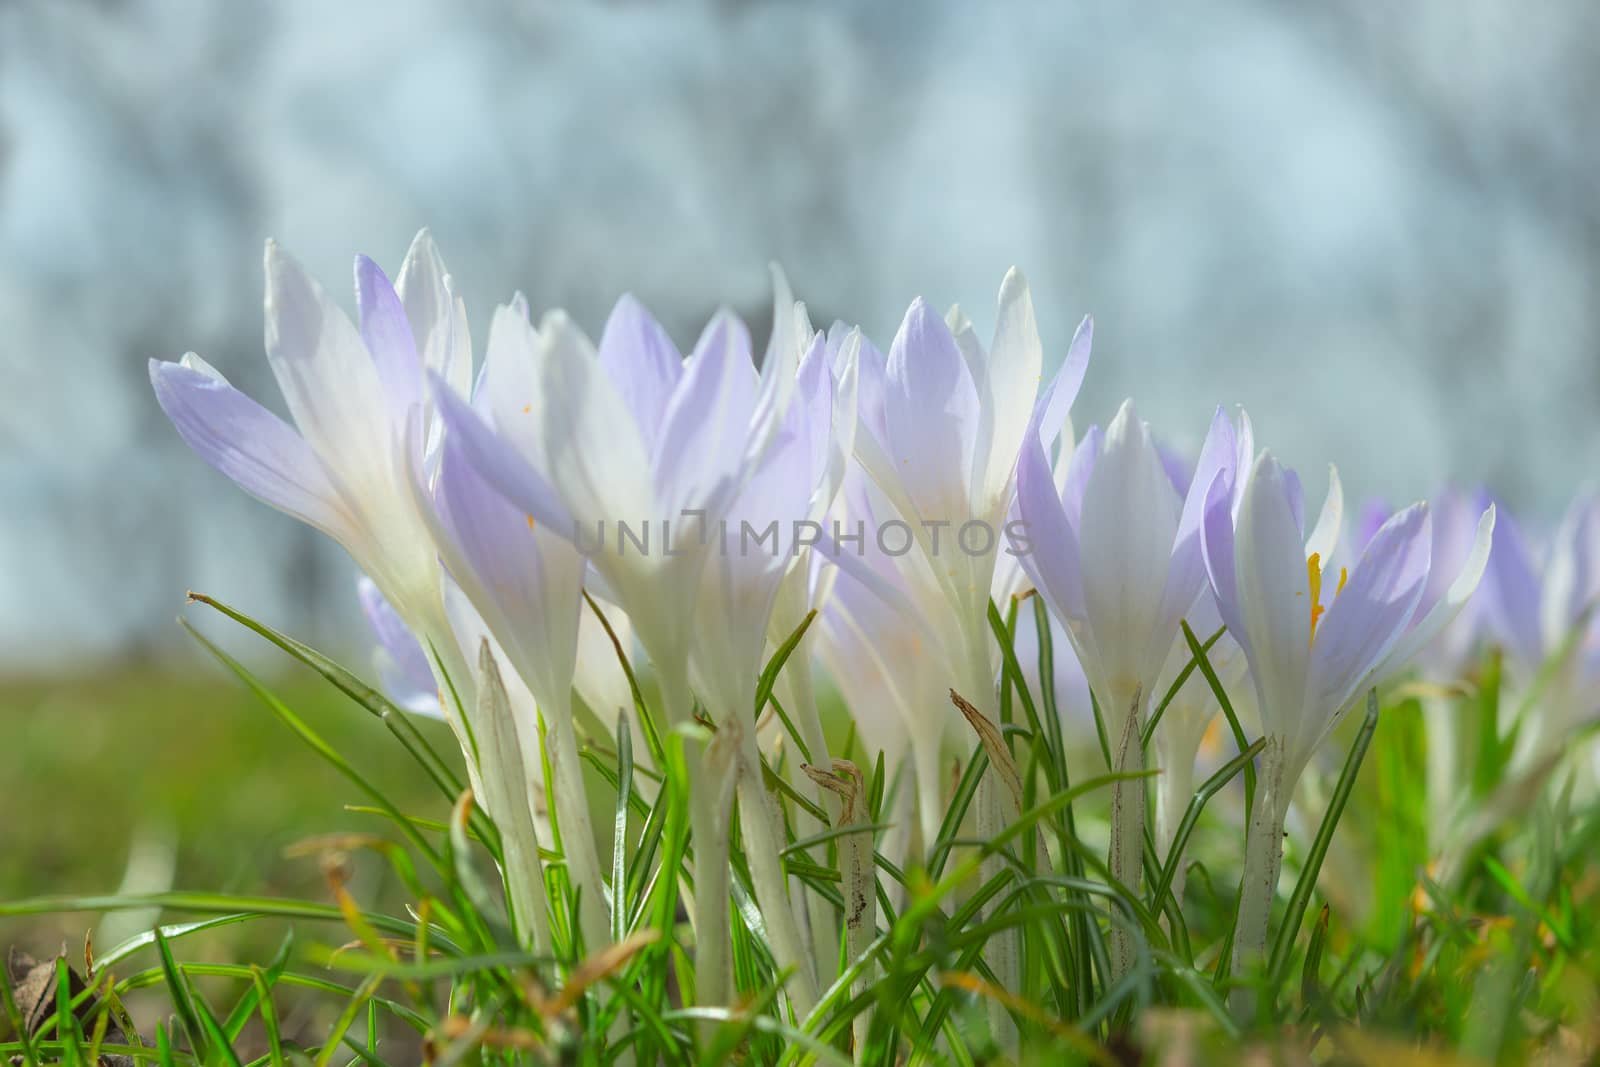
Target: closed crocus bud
{"type": "Point", "coordinates": [1117, 557]}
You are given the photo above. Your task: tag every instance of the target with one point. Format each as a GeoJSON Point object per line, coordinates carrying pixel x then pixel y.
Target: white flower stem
{"type": "Point", "coordinates": [861, 922]}
{"type": "Point", "coordinates": [1440, 716]}
{"type": "Point", "coordinates": [1003, 951]}
{"type": "Point", "coordinates": [510, 802]}
{"type": "Point", "coordinates": [713, 953]}
{"type": "Point", "coordinates": [758, 824]}
{"type": "Point", "coordinates": [1174, 791]}
{"type": "Point", "coordinates": [1258, 886]}
{"type": "Point", "coordinates": [1126, 858]}
{"type": "Point", "coordinates": [577, 831]}
{"type": "Point", "coordinates": [820, 919]}
{"type": "Point", "coordinates": [930, 804]}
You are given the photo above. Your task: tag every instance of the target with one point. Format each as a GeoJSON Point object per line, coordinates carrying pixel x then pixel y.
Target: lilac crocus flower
{"type": "Point", "coordinates": [1454, 521]}
{"type": "Point", "coordinates": [351, 390]}
{"type": "Point", "coordinates": [1446, 658]}
{"type": "Point", "coordinates": [1312, 649]}
{"type": "Point", "coordinates": [1540, 607]}
{"type": "Point", "coordinates": [587, 440]}
{"type": "Point", "coordinates": [525, 583]}
{"type": "Point", "coordinates": [1116, 555]}
{"type": "Point", "coordinates": [943, 451]}
{"type": "Point", "coordinates": [943, 460]}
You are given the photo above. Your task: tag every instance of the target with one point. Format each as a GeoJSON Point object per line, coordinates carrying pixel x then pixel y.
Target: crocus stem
{"type": "Point", "coordinates": [758, 823]}
{"type": "Point", "coordinates": [861, 920]}
{"type": "Point", "coordinates": [1000, 952]}
{"type": "Point", "coordinates": [819, 916]}
{"type": "Point", "coordinates": [1126, 858]}
{"type": "Point", "coordinates": [510, 803]}
{"type": "Point", "coordinates": [713, 951]}
{"type": "Point", "coordinates": [1174, 791]}
{"type": "Point", "coordinates": [1439, 715]}
{"type": "Point", "coordinates": [1263, 858]}
{"type": "Point", "coordinates": [925, 751]}
{"type": "Point", "coordinates": [577, 831]}
{"type": "Point", "coordinates": [994, 812]}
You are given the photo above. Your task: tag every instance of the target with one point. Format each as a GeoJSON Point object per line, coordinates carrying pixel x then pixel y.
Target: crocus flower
{"type": "Point", "coordinates": [351, 390]}
{"type": "Point", "coordinates": [1539, 606]}
{"type": "Point", "coordinates": [584, 440]}
{"type": "Point", "coordinates": [943, 458]}
{"type": "Point", "coordinates": [1116, 554]}
{"type": "Point", "coordinates": [758, 542]}
{"type": "Point", "coordinates": [1313, 641]}
{"type": "Point", "coordinates": [1454, 516]}
{"type": "Point", "coordinates": [525, 582]}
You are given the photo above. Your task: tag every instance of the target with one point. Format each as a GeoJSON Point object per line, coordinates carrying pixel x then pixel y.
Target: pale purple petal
{"type": "Point", "coordinates": [1218, 454]}
{"type": "Point", "coordinates": [1063, 388]}
{"type": "Point", "coordinates": [1512, 590]}
{"type": "Point", "coordinates": [1216, 548]}
{"type": "Point", "coordinates": [1374, 513]}
{"type": "Point", "coordinates": [388, 338]}
{"type": "Point", "coordinates": [499, 464]}
{"type": "Point", "coordinates": [403, 668]}
{"type": "Point", "coordinates": [1180, 471]}
{"type": "Point", "coordinates": [527, 586]}
{"type": "Point", "coordinates": [1052, 561]}
{"type": "Point", "coordinates": [931, 414]}
{"type": "Point", "coordinates": [1367, 617]}
{"type": "Point", "coordinates": [1080, 468]}
{"type": "Point", "coordinates": [248, 443]}
{"type": "Point", "coordinates": [643, 364]}
{"type": "Point", "coordinates": [1463, 576]}
{"type": "Point", "coordinates": [706, 429]}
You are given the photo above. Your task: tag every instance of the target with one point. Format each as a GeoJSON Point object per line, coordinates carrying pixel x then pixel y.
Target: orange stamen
{"type": "Point", "coordinates": [1314, 576]}
{"type": "Point", "coordinates": [1314, 579]}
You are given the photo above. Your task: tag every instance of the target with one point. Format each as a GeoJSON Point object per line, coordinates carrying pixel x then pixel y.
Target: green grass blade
{"type": "Point", "coordinates": [316, 743]}
{"type": "Point", "coordinates": [1204, 663]}
{"type": "Point", "coordinates": [619, 832]}
{"type": "Point", "coordinates": [182, 1003]}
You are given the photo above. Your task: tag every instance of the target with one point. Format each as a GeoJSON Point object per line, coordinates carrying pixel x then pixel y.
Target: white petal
{"type": "Point", "coordinates": [1273, 594]}
{"type": "Point", "coordinates": [1328, 531]}
{"type": "Point", "coordinates": [327, 377]}
{"type": "Point", "coordinates": [590, 449]}
{"type": "Point", "coordinates": [1130, 518]}
{"type": "Point", "coordinates": [1016, 360]}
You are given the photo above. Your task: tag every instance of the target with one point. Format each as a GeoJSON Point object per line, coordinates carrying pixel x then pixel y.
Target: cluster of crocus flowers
{"type": "Point", "coordinates": [709, 505]}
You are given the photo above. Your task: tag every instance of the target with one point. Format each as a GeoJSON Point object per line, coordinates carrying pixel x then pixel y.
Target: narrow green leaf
{"type": "Point", "coordinates": [315, 742]}
{"type": "Point", "coordinates": [619, 832]}
{"type": "Point", "coordinates": [182, 1003]}
{"type": "Point", "coordinates": [268, 1012]}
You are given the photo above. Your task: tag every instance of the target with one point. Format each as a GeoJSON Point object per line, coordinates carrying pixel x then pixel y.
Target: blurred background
{"type": "Point", "coordinates": [1377, 227]}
